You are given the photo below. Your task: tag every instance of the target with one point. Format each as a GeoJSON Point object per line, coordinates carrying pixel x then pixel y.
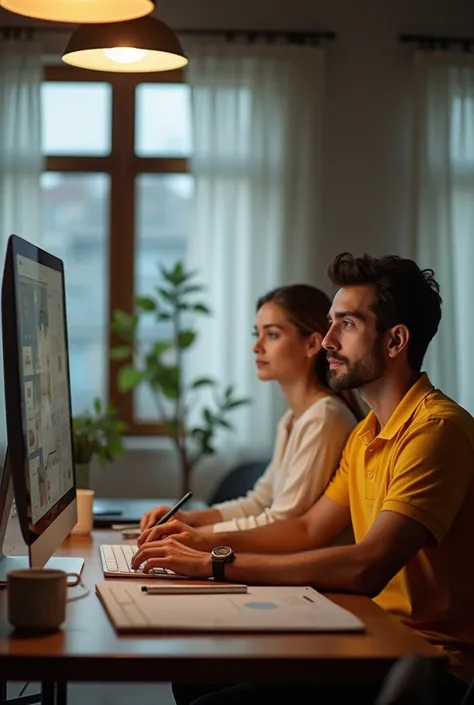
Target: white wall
{"type": "Point", "coordinates": [368, 147]}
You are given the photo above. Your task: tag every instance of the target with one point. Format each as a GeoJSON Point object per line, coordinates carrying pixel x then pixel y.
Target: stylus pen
{"type": "Point", "coordinates": [193, 589]}
{"type": "Point", "coordinates": [174, 509]}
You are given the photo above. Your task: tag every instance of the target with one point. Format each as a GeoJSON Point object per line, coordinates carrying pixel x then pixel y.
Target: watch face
{"type": "Point", "coordinates": [221, 552]}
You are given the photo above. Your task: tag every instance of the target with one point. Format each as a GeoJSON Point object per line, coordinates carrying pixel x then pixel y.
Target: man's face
{"type": "Point", "coordinates": [355, 349]}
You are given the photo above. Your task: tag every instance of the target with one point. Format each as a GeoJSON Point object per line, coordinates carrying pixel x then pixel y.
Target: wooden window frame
{"type": "Point", "coordinates": [123, 166]}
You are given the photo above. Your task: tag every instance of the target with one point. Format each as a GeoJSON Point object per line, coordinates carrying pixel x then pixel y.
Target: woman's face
{"type": "Point", "coordinates": [281, 352]}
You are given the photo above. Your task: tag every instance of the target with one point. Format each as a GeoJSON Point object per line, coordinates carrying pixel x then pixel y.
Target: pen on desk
{"type": "Point", "coordinates": [187, 589]}
{"type": "Point", "coordinates": [174, 509]}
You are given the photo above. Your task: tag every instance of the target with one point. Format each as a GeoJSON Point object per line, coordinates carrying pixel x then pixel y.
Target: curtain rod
{"type": "Point", "coordinates": [269, 35]}
{"type": "Point", "coordinates": [16, 32]}
{"type": "Point", "coordinates": [251, 36]}
{"type": "Point", "coordinates": [436, 43]}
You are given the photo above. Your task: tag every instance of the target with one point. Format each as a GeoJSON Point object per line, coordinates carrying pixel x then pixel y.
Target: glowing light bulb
{"type": "Point", "coordinates": [125, 55]}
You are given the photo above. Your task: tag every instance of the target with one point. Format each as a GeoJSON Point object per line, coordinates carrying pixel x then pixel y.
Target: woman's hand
{"type": "Point", "coordinates": [169, 553]}
{"type": "Point", "coordinates": [150, 518]}
{"type": "Point", "coordinates": [182, 533]}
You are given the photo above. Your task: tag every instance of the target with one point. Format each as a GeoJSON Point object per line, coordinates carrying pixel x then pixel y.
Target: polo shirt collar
{"type": "Point", "coordinates": [403, 412]}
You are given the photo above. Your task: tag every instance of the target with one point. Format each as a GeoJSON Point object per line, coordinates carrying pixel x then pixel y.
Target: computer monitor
{"type": "Point", "coordinates": [39, 466]}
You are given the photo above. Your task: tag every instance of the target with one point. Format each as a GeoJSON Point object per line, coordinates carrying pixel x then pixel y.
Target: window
{"type": "Point", "coordinates": [117, 200]}
{"type": "Point", "coordinates": [76, 223]}
{"type": "Point", "coordinates": [163, 212]}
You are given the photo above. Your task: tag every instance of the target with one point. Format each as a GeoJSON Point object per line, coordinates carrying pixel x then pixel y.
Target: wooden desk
{"type": "Point", "coordinates": [88, 649]}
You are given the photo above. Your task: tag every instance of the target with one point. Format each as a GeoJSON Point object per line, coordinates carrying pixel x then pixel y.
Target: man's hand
{"type": "Point", "coordinates": [150, 518]}
{"type": "Point", "coordinates": [169, 553]}
{"type": "Point", "coordinates": [182, 533]}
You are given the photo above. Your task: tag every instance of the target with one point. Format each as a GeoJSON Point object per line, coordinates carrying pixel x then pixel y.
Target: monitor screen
{"type": "Point", "coordinates": [44, 384]}
{"type": "Point", "coordinates": [37, 396]}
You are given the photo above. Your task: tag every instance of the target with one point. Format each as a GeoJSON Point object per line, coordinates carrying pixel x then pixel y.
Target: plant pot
{"type": "Point", "coordinates": [82, 471]}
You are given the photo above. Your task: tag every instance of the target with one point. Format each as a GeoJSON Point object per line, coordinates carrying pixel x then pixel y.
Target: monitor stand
{"type": "Point", "coordinates": [9, 520]}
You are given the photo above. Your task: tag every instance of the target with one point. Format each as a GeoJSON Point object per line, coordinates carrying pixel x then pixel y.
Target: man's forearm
{"type": "Point", "coordinates": [335, 569]}
{"type": "Point", "coordinates": [281, 537]}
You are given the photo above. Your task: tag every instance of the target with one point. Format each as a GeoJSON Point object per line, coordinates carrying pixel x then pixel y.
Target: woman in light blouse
{"type": "Point", "coordinates": [290, 325]}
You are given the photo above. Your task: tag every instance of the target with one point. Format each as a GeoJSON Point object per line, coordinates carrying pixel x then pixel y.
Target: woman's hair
{"type": "Point", "coordinates": [307, 308]}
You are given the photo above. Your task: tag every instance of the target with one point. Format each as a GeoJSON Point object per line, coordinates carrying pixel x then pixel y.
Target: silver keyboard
{"type": "Point", "coordinates": [116, 559]}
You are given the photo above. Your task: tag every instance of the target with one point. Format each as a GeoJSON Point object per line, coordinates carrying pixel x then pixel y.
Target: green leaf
{"type": "Point", "coordinates": [120, 426]}
{"type": "Point", "coordinates": [237, 402]}
{"type": "Point", "coordinates": [124, 324]}
{"type": "Point", "coordinates": [121, 352]}
{"type": "Point", "coordinates": [129, 378]}
{"type": "Point", "coordinates": [224, 423]}
{"type": "Point", "coordinates": [186, 338]}
{"type": "Point", "coordinates": [197, 432]}
{"type": "Point", "coordinates": [97, 434]}
{"type": "Point", "coordinates": [160, 347]}
{"type": "Point", "coordinates": [175, 276]}
{"type": "Point", "coordinates": [208, 415]}
{"type": "Point", "coordinates": [168, 378]}
{"type": "Point", "coordinates": [203, 382]}
{"type": "Point", "coordinates": [169, 296]}
{"type": "Point", "coordinates": [228, 392]}
{"type": "Point", "coordinates": [145, 303]}
{"type": "Point", "coordinates": [178, 270]}
{"type": "Point", "coordinates": [201, 308]}
{"type": "Point", "coordinates": [164, 316]}
{"type": "Point", "coordinates": [192, 289]}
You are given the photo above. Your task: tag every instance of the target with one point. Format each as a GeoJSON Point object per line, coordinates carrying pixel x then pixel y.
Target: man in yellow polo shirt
{"type": "Point", "coordinates": [406, 479]}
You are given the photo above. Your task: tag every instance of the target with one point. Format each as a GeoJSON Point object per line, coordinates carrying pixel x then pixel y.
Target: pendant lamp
{"type": "Point", "coordinates": [142, 45]}
{"type": "Point", "coordinates": [80, 11]}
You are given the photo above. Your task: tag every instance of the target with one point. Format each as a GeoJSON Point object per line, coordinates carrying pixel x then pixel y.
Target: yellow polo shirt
{"type": "Point", "coordinates": [421, 465]}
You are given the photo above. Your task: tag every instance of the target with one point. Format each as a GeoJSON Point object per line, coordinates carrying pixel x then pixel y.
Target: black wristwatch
{"type": "Point", "coordinates": [220, 555]}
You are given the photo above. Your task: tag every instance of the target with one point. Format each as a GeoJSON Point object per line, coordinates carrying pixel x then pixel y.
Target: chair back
{"type": "Point", "coordinates": [238, 481]}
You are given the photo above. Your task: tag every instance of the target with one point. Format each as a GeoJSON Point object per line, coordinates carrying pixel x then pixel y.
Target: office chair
{"type": "Point", "coordinates": [238, 481]}
{"type": "Point", "coordinates": [413, 681]}
{"type": "Point", "coordinates": [410, 681]}
{"type": "Point", "coordinates": [469, 697]}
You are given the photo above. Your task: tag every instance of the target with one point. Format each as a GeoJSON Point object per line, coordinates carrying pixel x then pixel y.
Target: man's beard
{"type": "Point", "coordinates": [366, 370]}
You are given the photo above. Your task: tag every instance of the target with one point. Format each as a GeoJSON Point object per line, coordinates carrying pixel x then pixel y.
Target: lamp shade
{"type": "Point", "coordinates": [141, 45]}
{"type": "Point", "coordinates": [80, 11]}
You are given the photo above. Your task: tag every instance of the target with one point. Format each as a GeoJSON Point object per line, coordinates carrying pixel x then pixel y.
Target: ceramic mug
{"type": "Point", "coordinates": [37, 598]}
{"type": "Point", "coordinates": [85, 512]}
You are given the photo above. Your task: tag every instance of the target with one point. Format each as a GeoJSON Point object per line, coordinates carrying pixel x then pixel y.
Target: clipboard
{"type": "Point", "coordinates": [260, 609]}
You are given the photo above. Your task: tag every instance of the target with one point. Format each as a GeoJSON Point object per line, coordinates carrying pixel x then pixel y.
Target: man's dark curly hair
{"type": "Point", "coordinates": [404, 294]}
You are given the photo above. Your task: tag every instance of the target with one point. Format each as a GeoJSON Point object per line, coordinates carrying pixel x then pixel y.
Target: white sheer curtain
{"type": "Point", "coordinates": [257, 119]}
{"type": "Point", "coordinates": [445, 211]}
{"type": "Point", "coordinates": [20, 150]}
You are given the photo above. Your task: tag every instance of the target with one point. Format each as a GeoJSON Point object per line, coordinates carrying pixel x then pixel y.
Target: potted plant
{"type": "Point", "coordinates": [159, 365]}
{"type": "Point", "coordinates": [96, 433]}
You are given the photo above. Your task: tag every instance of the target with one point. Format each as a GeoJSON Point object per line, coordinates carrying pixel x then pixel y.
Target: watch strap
{"type": "Point", "coordinates": [218, 570]}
